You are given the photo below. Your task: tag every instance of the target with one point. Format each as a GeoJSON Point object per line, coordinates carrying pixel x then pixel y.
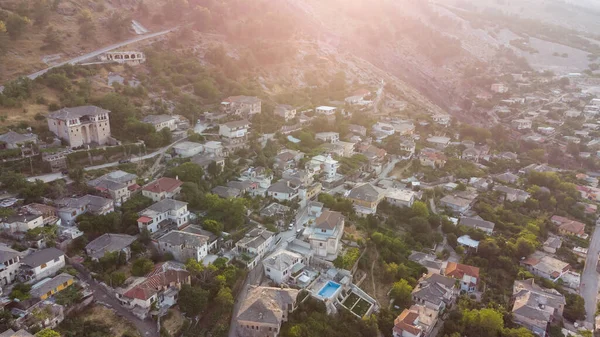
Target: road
{"type": "Point", "coordinates": [388, 167]}
{"type": "Point", "coordinates": [589, 279]}
{"type": "Point", "coordinates": [58, 175]}
{"type": "Point", "coordinates": [102, 51]}
{"type": "Point", "coordinates": [146, 328]}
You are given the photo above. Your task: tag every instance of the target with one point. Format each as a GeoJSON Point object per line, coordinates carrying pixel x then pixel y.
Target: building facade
{"type": "Point", "coordinates": [83, 125]}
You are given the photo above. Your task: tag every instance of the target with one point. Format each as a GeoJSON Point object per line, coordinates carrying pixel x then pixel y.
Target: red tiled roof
{"type": "Point", "coordinates": [156, 282]}
{"type": "Point", "coordinates": [457, 270]}
{"type": "Point", "coordinates": [144, 219]}
{"type": "Point", "coordinates": [163, 184]}
{"type": "Point", "coordinates": [405, 322]}
{"type": "Point", "coordinates": [569, 225]}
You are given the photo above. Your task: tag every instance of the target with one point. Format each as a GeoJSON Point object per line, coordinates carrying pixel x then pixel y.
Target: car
{"type": "Point", "coordinates": [291, 226]}
{"type": "Point", "coordinates": [124, 161]}
{"type": "Point", "coordinates": [65, 172]}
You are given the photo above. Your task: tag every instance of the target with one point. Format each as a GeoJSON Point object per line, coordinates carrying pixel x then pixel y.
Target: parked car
{"type": "Point", "coordinates": [8, 202]}
{"type": "Point", "coordinates": [124, 161]}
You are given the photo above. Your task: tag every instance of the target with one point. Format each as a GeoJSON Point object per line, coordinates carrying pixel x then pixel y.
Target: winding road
{"type": "Point", "coordinates": [103, 50]}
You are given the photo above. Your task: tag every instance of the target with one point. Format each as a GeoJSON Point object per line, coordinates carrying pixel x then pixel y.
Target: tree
{"type": "Point", "coordinates": [16, 25]}
{"type": "Point", "coordinates": [575, 308]}
{"type": "Point", "coordinates": [53, 39]}
{"type": "Point", "coordinates": [47, 333]}
{"type": "Point", "coordinates": [482, 323]}
{"type": "Point", "coordinates": [188, 172]}
{"type": "Point", "coordinates": [192, 300]}
{"type": "Point", "coordinates": [401, 293]}
{"type": "Point", "coordinates": [141, 267]}
{"type": "Point", "coordinates": [213, 226]}
{"type": "Point", "coordinates": [41, 12]}
{"type": "Point", "coordinates": [420, 209]}
{"type": "Point", "coordinates": [20, 291]}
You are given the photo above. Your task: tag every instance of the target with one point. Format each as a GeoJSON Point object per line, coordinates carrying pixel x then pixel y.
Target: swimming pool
{"type": "Point", "coordinates": [329, 289]}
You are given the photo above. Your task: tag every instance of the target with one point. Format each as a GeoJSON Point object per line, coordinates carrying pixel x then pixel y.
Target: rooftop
{"type": "Point", "coordinates": [266, 305]}
{"type": "Point", "coordinates": [282, 260]}
{"type": "Point", "coordinates": [77, 112]}
{"type": "Point", "coordinates": [329, 220]}
{"type": "Point", "coordinates": [12, 137]}
{"type": "Point", "coordinates": [164, 184]}
{"type": "Point", "coordinates": [157, 119]}
{"type": "Point", "coordinates": [42, 256]}
{"type": "Point", "coordinates": [366, 192]}
{"type": "Point", "coordinates": [45, 286]}
{"type": "Point", "coordinates": [184, 239]}
{"type": "Point", "coordinates": [108, 243]}
{"type": "Point", "coordinates": [476, 223]}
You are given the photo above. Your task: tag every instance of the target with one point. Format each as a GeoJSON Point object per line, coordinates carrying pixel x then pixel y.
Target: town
{"type": "Point", "coordinates": [420, 220]}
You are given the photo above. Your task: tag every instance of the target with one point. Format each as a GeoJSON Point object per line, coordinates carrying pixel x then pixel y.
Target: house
{"type": "Point", "coordinates": [70, 208]}
{"type": "Point", "coordinates": [418, 321]}
{"type": "Point", "coordinates": [569, 227]}
{"type": "Point", "coordinates": [187, 149]}
{"type": "Point", "coordinates": [325, 110]}
{"type": "Point", "coordinates": [118, 185]}
{"type": "Point", "coordinates": [499, 88]}
{"type": "Point", "coordinates": [12, 333]}
{"type": "Point", "coordinates": [110, 243]}
{"type": "Point", "coordinates": [521, 124]}
{"type": "Point", "coordinates": [82, 125]}
{"type": "Point", "coordinates": [441, 119]}
{"type": "Point", "coordinates": [404, 128]}
{"type": "Point", "coordinates": [467, 275]}
{"type": "Point", "coordinates": [226, 192]}
{"type": "Point", "coordinates": [512, 194]}
{"type": "Point", "coordinates": [435, 291]}
{"type": "Point", "coordinates": [242, 105]}
{"type": "Point", "coordinates": [41, 264]}
{"type": "Point", "coordinates": [357, 129]}
{"type": "Point", "coordinates": [160, 288]}
{"type": "Point", "coordinates": [456, 203]}
{"type": "Point", "coordinates": [275, 210]}
{"type": "Point", "coordinates": [22, 222]}
{"type": "Point", "coordinates": [213, 239]}
{"type": "Point", "coordinates": [468, 243]}
{"type": "Point", "coordinates": [184, 245]}
{"type": "Point", "coordinates": [439, 142]}
{"type": "Point", "coordinates": [432, 158]}
{"type": "Point", "coordinates": [545, 266]}
{"type": "Point", "coordinates": [165, 213]}
{"type": "Point", "coordinates": [325, 163]}
{"type": "Point", "coordinates": [283, 190]}
{"type": "Point", "coordinates": [375, 155]}
{"type": "Point", "coordinates": [399, 197]}
{"type": "Point", "coordinates": [235, 129]}
{"type": "Point", "coordinates": [162, 188]}
{"type": "Point", "coordinates": [552, 244]}
{"type": "Point", "coordinates": [254, 245]}
{"type": "Point", "coordinates": [328, 137]}
{"type": "Point", "coordinates": [327, 233]}
{"type": "Point", "coordinates": [160, 122]}
{"type": "Point", "coordinates": [385, 128]}
{"type": "Point", "coordinates": [280, 265]}
{"type": "Point", "coordinates": [14, 140]}
{"type": "Point", "coordinates": [56, 161]}
{"type": "Point", "coordinates": [263, 310]}
{"type": "Point", "coordinates": [287, 159]}
{"type": "Point", "coordinates": [507, 178]}
{"type": "Point", "coordinates": [471, 154]}
{"type": "Point", "coordinates": [214, 148]}
{"type": "Point", "coordinates": [535, 307]}
{"type": "Point", "coordinates": [205, 160]}
{"type": "Point", "coordinates": [431, 262]}
{"type": "Point", "coordinates": [365, 198]}
{"type": "Point", "coordinates": [573, 113]}
{"type": "Point", "coordinates": [285, 111]}
{"type": "Point", "coordinates": [475, 223]}
{"type": "Point", "coordinates": [50, 286]}
{"type": "Point", "coordinates": [10, 261]}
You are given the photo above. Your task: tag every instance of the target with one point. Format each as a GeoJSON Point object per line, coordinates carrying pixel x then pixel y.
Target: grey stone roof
{"type": "Point", "coordinates": [45, 286]}
{"type": "Point", "coordinates": [92, 202]}
{"type": "Point", "coordinates": [329, 220]}
{"type": "Point", "coordinates": [166, 205]}
{"type": "Point", "coordinates": [237, 124]}
{"type": "Point", "coordinates": [430, 292]}
{"type": "Point", "coordinates": [226, 192]}
{"type": "Point", "coordinates": [156, 119]}
{"type": "Point", "coordinates": [255, 238]}
{"type": "Point", "coordinates": [282, 260]}
{"type": "Point", "coordinates": [281, 186]}
{"type": "Point", "coordinates": [21, 218]}
{"type": "Point", "coordinates": [185, 239]}
{"type": "Point", "coordinates": [12, 137]}
{"type": "Point", "coordinates": [12, 333]}
{"type": "Point", "coordinates": [198, 230]}
{"type": "Point", "coordinates": [476, 223]}
{"type": "Point", "coordinates": [108, 243]}
{"type": "Point", "coordinates": [366, 192]}
{"type": "Point", "coordinates": [266, 305]}
{"type": "Point", "coordinates": [77, 112]}
{"type": "Point", "coordinates": [7, 253]}
{"type": "Point", "coordinates": [42, 256]}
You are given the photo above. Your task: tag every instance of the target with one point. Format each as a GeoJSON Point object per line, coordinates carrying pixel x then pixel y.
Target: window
{"type": "Point", "coordinates": [57, 259]}
{"type": "Point", "coordinates": [43, 266]}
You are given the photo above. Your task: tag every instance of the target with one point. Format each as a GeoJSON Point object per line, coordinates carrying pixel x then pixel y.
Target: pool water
{"type": "Point", "coordinates": [329, 289]}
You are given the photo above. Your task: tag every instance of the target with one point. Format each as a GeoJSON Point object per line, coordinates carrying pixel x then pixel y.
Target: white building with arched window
{"type": "Point", "coordinates": [82, 125]}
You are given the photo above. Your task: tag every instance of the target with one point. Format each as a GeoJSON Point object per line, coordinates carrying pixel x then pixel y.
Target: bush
{"type": "Point", "coordinates": [141, 267]}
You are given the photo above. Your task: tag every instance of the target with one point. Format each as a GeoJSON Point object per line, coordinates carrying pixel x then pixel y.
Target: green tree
{"type": "Point", "coordinates": [213, 226]}
{"type": "Point", "coordinates": [401, 293]}
{"type": "Point", "coordinates": [16, 25]}
{"type": "Point", "coordinates": [420, 209]}
{"type": "Point", "coordinates": [482, 323]}
{"type": "Point", "coordinates": [47, 333]}
{"type": "Point", "coordinates": [188, 172]}
{"type": "Point", "coordinates": [20, 291]}
{"type": "Point", "coordinates": [192, 300]}
{"type": "Point", "coordinates": [575, 308]}
{"type": "Point", "coordinates": [141, 267]}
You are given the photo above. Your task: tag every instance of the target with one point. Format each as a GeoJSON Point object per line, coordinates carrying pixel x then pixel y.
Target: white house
{"type": "Point", "coordinates": [23, 222]}
{"type": "Point", "coordinates": [164, 213]}
{"type": "Point", "coordinates": [439, 142]}
{"type": "Point", "coordinates": [329, 137]}
{"type": "Point", "coordinates": [188, 149]}
{"type": "Point", "coordinates": [184, 245]}
{"type": "Point", "coordinates": [385, 128]}
{"type": "Point", "coordinates": [41, 264]}
{"type": "Point", "coordinates": [522, 124]}
{"type": "Point", "coordinates": [162, 188]}
{"type": "Point", "coordinates": [254, 246]}
{"type": "Point", "coordinates": [326, 110]}
{"type": "Point", "coordinates": [10, 262]}
{"type": "Point", "coordinates": [441, 119]}
{"type": "Point", "coordinates": [327, 232]}
{"type": "Point", "coordinates": [214, 148]}
{"type": "Point", "coordinates": [70, 208]}
{"type": "Point", "coordinates": [499, 88]}
{"type": "Point", "coordinates": [285, 111]}
{"type": "Point", "coordinates": [280, 265]}
{"type": "Point", "coordinates": [283, 190]}
{"type": "Point", "coordinates": [400, 198]}
{"type": "Point", "coordinates": [161, 122]}
{"type": "Point", "coordinates": [235, 129]}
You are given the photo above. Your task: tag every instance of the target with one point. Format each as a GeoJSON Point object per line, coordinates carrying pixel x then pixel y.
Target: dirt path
{"type": "Point", "coordinates": [373, 274]}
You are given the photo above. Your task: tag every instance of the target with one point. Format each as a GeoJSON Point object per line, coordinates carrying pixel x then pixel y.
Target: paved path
{"type": "Point", "coordinates": [146, 328]}
{"type": "Point", "coordinates": [102, 51]}
{"type": "Point", "coordinates": [589, 279]}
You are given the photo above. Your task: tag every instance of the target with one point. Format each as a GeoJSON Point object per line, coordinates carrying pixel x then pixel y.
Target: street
{"type": "Point", "coordinates": [147, 328]}
{"type": "Point", "coordinates": [588, 288]}
{"type": "Point", "coordinates": [101, 51]}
